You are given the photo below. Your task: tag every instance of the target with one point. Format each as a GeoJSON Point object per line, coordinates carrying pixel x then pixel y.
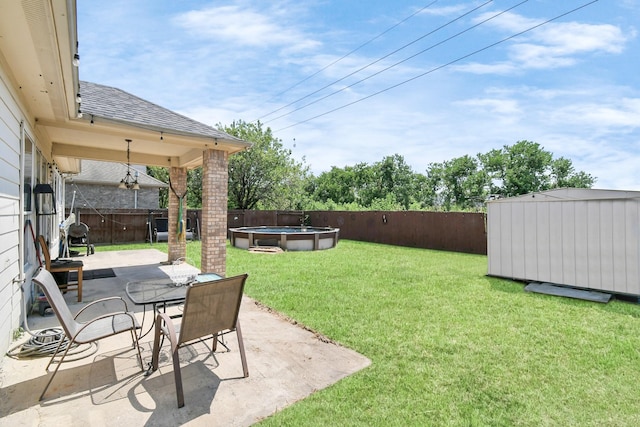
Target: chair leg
{"type": "Point", "coordinates": [55, 371]}
{"type": "Point", "coordinates": [178, 376]}
{"type": "Point", "coordinates": [171, 334]}
{"type": "Point", "coordinates": [243, 357]}
{"type": "Point", "coordinates": [55, 352]}
{"type": "Point", "coordinates": [136, 344]}
{"type": "Point", "coordinates": [214, 345]}
{"type": "Point", "coordinates": [80, 284]}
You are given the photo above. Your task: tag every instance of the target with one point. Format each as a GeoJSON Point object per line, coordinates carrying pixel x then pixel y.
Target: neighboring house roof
{"type": "Point", "coordinates": [95, 172]}
{"type": "Point", "coordinates": [117, 105]}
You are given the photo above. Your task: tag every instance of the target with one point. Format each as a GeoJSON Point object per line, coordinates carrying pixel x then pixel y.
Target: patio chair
{"type": "Point", "coordinates": [161, 230]}
{"type": "Point", "coordinates": [210, 308]}
{"type": "Point", "coordinates": [77, 332]}
{"type": "Point", "coordinates": [63, 266]}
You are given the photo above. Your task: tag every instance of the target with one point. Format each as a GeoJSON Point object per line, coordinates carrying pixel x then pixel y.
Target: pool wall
{"type": "Point", "coordinates": [287, 238]}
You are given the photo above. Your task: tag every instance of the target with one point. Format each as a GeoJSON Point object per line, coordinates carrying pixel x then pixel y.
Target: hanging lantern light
{"type": "Point", "coordinates": [45, 199]}
{"type": "Point", "coordinates": [129, 182]}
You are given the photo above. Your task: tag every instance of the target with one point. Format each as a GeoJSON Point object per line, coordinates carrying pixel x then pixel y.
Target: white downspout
{"type": "Point", "coordinates": [21, 276]}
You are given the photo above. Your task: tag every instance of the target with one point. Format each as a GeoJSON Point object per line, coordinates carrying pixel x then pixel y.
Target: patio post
{"type": "Point", "coordinates": [213, 227]}
{"type": "Point", "coordinates": [177, 241]}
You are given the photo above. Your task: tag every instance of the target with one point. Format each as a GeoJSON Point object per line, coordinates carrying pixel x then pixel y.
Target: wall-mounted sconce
{"type": "Point", "coordinates": [384, 218]}
{"type": "Point", "coordinates": [76, 60]}
{"type": "Point", "coordinates": [45, 199]}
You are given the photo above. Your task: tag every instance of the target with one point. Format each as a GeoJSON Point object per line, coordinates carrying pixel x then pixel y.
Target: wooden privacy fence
{"type": "Point", "coordinates": [448, 231]}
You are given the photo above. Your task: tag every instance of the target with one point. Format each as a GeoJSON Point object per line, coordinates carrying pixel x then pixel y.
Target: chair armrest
{"type": "Point", "coordinates": [126, 307]}
{"type": "Point", "coordinates": [170, 331]}
{"type": "Point", "coordinates": [134, 321]}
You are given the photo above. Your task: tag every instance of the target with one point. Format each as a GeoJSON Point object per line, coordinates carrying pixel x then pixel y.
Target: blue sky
{"type": "Point", "coordinates": [344, 82]}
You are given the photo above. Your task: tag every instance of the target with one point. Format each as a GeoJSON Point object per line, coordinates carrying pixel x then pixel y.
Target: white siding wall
{"type": "Point", "coordinates": [10, 228]}
{"type": "Point", "coordinates": [592, 244]}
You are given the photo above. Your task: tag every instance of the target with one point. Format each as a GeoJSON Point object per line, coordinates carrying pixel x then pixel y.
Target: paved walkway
{"type": "Point", "coordinates": [105, 387]}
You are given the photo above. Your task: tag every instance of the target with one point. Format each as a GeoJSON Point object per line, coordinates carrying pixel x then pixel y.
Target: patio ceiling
{"type": "Point", "coordinates": [105, 140]}
{"type": "Point", "coordinates": [38, 41]}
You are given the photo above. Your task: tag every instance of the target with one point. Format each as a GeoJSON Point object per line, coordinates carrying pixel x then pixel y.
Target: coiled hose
{"type": "Point", "coordinates": [44, 343]}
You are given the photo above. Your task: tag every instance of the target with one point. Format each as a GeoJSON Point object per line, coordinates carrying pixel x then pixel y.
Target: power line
{"type": "Point", "coordinates": [400, 62]}
{"type": "Point", "coordinates": [344, 56]}
{"type": "Point", "coordinates": [441, 66]}
{"type": "Point", "coordinates": [377, 60]}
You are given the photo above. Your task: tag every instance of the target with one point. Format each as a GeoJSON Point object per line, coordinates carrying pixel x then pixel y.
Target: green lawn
{"type": "Point", "coordinates": [449, 346]}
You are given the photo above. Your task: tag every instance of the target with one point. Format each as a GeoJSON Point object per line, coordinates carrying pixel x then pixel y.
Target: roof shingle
{"type": "Point", "coordinates": [115, 104]}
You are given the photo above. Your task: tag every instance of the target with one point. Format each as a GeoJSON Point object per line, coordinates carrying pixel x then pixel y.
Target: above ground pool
{"type": "Point", "coordinates": [287, 238]}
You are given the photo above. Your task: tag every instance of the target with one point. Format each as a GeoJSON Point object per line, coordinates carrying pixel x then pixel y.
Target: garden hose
{"type": "Point", "coordinates": [45, 342]}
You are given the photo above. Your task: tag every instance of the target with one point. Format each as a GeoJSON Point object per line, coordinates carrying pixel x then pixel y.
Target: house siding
{"type": "Point", "coordinates": [102, 196]}
{"type": "Point", "coordinates": [10, 215]}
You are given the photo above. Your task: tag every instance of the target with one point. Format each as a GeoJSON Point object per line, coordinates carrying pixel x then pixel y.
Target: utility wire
{"type": "Point", "coordinates": [441, 66]}
{"type": "Point", "coordinates": [400, 62]}
{"type": "Point", "coordinates": [344, 56]}
{"type": "Point", "coordinates": [378, 60]}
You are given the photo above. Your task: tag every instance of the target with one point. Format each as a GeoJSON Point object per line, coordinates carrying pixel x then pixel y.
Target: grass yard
{"type": "Point", "coordinates": [449, 346]}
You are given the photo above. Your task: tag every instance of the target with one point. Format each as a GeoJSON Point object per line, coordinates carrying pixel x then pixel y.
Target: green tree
{"type": "Point", "coordinates": [390, 179]}
{"type": "Point", "coordinates": [194, 188]}
{"type": "Point", "coordinates": [563, 174]}
{"type": "Point", "coordinates": [342, 185]}
{"type": "Point", "coordinates": [424, 196]}
{"type": "Point", "coordinates": [264, 176]}
{"type": "Point", "coordinates": [460, 182]}
{"type": "Point", "coordinates": [526, 167]}
{"type": "Point", "coordinates": [162, 174]}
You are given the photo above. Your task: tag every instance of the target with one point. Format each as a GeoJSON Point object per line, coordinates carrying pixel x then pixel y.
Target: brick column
{"type": "Point", "coordinates": [213, 226]}
{"type": "Point", "coordinates": [177, 243]}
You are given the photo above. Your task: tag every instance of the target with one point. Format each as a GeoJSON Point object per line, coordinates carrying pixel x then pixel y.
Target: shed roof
{"type": "Point", "coordinates": [565, 194]}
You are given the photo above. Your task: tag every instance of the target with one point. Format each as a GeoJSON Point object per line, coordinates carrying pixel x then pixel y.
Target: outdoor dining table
{"type": "Point", "coordinates": [161, 292]}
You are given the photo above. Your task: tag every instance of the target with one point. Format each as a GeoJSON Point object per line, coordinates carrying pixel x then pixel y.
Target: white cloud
{"type": "Point", "coordinates": [493, 105]}
{"type": "Point", "coordinates": [244, 27]}
{"type": "Point", "coordinates": [454, 10]}
{"type": "Point", "coordinates": [552, 45]}
{"type": "Point", "coordinates": [575, 37]}
{"type": "Point", "coordinates": [624, 113]}
{"type": "Point", "coordinates": [499, 68]}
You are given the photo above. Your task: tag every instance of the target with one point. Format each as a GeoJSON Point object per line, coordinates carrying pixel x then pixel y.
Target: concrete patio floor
{"type": "Point", "coordinates": [107, 387]}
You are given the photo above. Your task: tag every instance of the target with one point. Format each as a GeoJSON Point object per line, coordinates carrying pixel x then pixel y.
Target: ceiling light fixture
{"type": "Point", "coordinates": [129, 182]}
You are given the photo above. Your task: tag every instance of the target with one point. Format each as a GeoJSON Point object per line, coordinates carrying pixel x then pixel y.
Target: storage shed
{"type": "Point", "coordinates": [583, 238]}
